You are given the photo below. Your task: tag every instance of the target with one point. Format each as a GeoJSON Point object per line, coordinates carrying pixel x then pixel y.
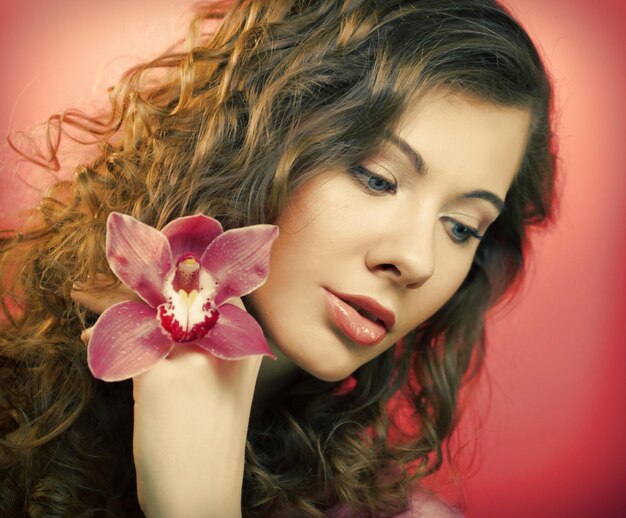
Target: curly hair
{"type": "Point", "coordinates": [229, 124]}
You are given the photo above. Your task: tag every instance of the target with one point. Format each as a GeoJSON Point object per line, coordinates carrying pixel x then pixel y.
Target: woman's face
{"type": "Point", "coordinates": [365, 256]}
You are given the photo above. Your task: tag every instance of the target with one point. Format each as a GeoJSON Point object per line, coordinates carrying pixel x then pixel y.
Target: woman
{"type": "Point", "coordinates": [403, 149]}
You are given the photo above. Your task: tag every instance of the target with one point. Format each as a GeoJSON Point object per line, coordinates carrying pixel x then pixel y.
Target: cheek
{"type": "Point", "coordinates": [296, 253]}
{"type": "Point", "coordinates": [451, 270]}
{"type": "Point", "coordinates": [319, 227]}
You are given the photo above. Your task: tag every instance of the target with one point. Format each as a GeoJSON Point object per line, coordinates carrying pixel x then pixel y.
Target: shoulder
{"type": "Point", "coordinates": [424, 504]}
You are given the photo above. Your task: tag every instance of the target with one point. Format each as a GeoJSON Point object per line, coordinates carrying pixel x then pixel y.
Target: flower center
{"type": "Point", "coordinates": [187, 276]}
{"type": "Point", "coordinates": [188, 313]}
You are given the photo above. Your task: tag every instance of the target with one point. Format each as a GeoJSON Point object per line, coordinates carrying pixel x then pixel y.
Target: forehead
{"type": "Point", "coordinates": [474, 144]}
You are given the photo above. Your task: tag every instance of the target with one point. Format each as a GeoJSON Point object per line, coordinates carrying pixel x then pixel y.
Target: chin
{"type": "Point", "coordinates": [327, 367]}
{"type": "Point", "coordinates": [330, 373]}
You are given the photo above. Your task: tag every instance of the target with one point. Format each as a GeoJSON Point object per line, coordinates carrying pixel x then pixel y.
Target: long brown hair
{"type": "Point", "coordinates": [229, 126]}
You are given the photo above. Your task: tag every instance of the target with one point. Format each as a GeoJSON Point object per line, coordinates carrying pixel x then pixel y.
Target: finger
{"type": "Point", "coordinates": [236, 301]}
{"type": "Point", "coordinates": [100, 300]}
{"type": "Point", "coordinates": [95, 296]}
{"type": "Point", "coordinates": [85, 336]}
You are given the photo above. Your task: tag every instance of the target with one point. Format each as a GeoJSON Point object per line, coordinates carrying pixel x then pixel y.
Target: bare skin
{"type": "Point", "coordinates": [399, 233]}
{"type": "Point", "coordinates": [191, 411]}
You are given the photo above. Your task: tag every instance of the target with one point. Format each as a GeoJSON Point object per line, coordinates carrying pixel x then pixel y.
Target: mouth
{"type": "Point", "coordinates": [365, 313]}
{"type": "Point", "coordinates": [370, 309]}
{"type": "Point", "coordinates": [360, 318]}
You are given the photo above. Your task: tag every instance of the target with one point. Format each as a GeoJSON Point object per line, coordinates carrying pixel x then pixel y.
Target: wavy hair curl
{"type": "Point", "coordinates": [230, 125]}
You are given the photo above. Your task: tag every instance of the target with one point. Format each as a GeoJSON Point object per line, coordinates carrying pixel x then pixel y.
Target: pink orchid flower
{"type": "Point", "coordinates": [185, 274]}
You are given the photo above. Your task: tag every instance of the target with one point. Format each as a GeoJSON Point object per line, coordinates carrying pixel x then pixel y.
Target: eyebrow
{"type": "Point", "coordinates": [495, 200]}
{"type": "Point", "coordinates": [415, 158]}
{"type": "Point", "coordinates": [421, 167]}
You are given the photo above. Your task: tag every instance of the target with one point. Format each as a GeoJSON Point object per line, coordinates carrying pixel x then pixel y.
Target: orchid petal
{"type": "Point", "coordinates": [191, 234]}
{"type": "Point", "coordinates": [239, 260]}
{"type": "Point", "coordinates": [139, 255]}
{"type": "Point", "coordinates": [126, 341]}
{"type": "Point", "coordinates": [236, 336]}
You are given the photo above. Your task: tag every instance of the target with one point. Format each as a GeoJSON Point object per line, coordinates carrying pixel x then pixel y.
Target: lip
{"type": "Point", "coordinates": [371, 305]}
{"type": "Point", "coordinates": [360, 329]}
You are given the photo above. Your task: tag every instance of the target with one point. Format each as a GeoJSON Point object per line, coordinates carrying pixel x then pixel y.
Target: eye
{"type": "Point", "coordinates": [460, 233]}
{"type": "Point", "coordinates": [372, 181]}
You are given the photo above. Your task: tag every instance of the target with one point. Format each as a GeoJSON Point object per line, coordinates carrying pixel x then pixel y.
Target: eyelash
{"type": "Point", "coordinates": [365, 177]}
{"type": "Point", "coordinates": [467, 231]}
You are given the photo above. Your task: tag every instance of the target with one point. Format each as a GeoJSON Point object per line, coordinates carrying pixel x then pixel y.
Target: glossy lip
{"type": "Point", "coordinates": [369, 304]}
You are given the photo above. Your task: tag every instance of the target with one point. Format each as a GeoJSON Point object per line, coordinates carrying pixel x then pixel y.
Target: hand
{"type": "Point", "coordinates": [191, 419]}
{"type": "Point", "coordinates": [97, 295]}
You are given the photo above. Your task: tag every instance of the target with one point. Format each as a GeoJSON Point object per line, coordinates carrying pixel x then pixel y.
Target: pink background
{"type": "Point", "coordinates": [549, 425]}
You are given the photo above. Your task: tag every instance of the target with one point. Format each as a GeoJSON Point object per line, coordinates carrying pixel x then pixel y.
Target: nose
{"type": "Point", "coordinates": [404, 255]}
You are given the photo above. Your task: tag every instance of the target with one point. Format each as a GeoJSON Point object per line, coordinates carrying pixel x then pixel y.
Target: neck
{"type": "Point", "coordinates": [274, 376]}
